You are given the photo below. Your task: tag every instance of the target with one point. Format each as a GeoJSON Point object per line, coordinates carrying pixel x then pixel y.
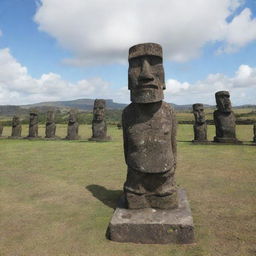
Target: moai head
{"type": "Point", "coordinates": [146, 73]}
{"type": "Point", "coordinates": [33, 117]}
{"type": "Point", "coordinates": [15, 121]}
{"type": "Point", "coordinates": [198, 110]}
{"type": "Point", "coordinates": [50, 117]}
{"type": "Point", "coordinates": [223, 101]}
{"type": "Point", "coordinates": [99, 110]}
{"type": "Point", "coordinates": [72, 117]}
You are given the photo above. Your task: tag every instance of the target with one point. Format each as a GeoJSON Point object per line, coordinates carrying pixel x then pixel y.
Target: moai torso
{"type": "Point", "coordinates": [99, 129]}
{"type": "Point", "coordinates": [33, 125]}
{"type": "Point", "coordinates": [200, 132]}
{"type": "Point", "coordinates": [16, 127]}
{"type": "Point", "coordinates": [50, 128]}
{"type": "Point", "coordinates": [72, 132]}
{"type": "Point", "coordinates": [148, 137]}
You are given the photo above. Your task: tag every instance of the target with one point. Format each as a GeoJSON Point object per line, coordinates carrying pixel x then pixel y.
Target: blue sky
{"type": "Point", "coordinates": [63, 50]}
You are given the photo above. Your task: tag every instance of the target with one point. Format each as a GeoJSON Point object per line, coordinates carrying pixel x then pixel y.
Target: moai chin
{"type": "Point", "coordinates": [50, 128]}
{"type": "Point", "coordinates": [224, 119]}
{"type": "Point", "coordinates": [149, 132]}
{"type": "Point", "coordinates": [72, 132]}
{"type": "Point", "coordinates": [16, 127]}
{"type": "Point", "coordinates": [33, 125]}
{"type": "Point", "coordinates": [200, 126]}
{"type": "Point", "coordinates": [254, 133]}
{"type": "Point", "coordinates": [99, 126]}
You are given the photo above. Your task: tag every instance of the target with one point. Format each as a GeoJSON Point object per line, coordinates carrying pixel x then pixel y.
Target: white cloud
{"type": "Point", "coordinates": [101, 31]}
{"type": "Point", "coordinates": [18, 87]}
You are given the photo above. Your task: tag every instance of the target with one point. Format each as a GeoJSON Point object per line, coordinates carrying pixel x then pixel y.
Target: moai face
{"type": "Point", "coordinates": [33, 118]}
{"type": "Point", "coordinates": [50, 117]}
{"type": "Point", "coordinates": [72, 117]}
{"type": "Point", "coordinates": [146, 73]}
{"type": "Point", "coordinates": [99, 110]}
{"type": "Point", "coordinates": [15, 121]}
{"type": "Point", "coordinates": [223, 101]}
{"type": "Point", "coordinates": [198, 110]}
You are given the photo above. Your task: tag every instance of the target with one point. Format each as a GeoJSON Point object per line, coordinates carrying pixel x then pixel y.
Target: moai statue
{"type": "Point", "coordinates": [1, 129]}
{"type": "Point", "coordinates": [254, 132]}
{"type": "Point", "coordinates": [72, 133]}
{"type": "Point", "coordinates": [50, 128]}
{"type": "Point", "coordinates": [33, 125]}
{"type": "Point", "coordinates": [16, 127]}
{"type": "Point", "coordinates": [200, 126]}
{"type": "Point", "coordinates": [224, 119]}
{"type": "Point", "coordinates": [99, 126]}
{"type": "Point", "coordinates": [149, 134]}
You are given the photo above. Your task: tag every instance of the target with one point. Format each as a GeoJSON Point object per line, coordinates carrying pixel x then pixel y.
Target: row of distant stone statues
{"type": "Point", "coordinates": [224, 119]}
{"type": "Point", "coordinates": [99, 126]}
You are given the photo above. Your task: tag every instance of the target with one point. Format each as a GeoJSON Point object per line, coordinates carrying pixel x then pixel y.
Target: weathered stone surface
{"type": "Point", "coordinates": [153, 226]}
{"type": "Point", "coordinates": [200, 126]}
{"type": "Point", "coordinates": [50, 127]}
{"type": "Point", "coordinates": [16, 127]}
{"type": "Point", "coordinates": [72, 132]}
{"type": "Point", "coordinates": [33, 125]}
{"type": "Point", "coordinates": [254, 132]}
{"type": "Point", "coordinates": [224, 119]}
{"type": "Point", "coordinates": [1, 130]}
{"type": "Point", "coordinates": [149, 132]}
{"type": "Point", "coordinates": [99, 125]}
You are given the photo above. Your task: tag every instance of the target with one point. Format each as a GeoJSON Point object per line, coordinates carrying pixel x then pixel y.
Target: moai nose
{"type": "Point", "coordinates": [145, 75]}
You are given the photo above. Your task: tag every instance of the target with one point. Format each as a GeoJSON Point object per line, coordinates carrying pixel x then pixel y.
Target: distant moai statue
{"type": "Point", "coordinates": [72, 132]}
{"type": "Point", "coordinates": [16, 127]}
{"type": "Point", "coordinates": [99, 125]}
{"type": "Point", "coordinates": [149, 134]}
{"type": "Point", "coordinates": [1, 130]}
{"type": "Point", "coordinates": [50, 128]}
{"type": "Point", "coordinates": [224, 119]}
{"type": "Point", "coordinates": [200, 126]}
{"type": "Point", "coordinates": [33, 124]}
{"type": "Point", "coordinates": [254, 132]}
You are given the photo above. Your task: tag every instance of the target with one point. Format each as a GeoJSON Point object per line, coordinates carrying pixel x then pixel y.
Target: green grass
{"type": "Point", "coordinates": [57, 197]}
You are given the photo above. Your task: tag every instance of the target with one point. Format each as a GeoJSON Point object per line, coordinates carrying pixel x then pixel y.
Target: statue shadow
{"type": "Point", "coordinates": [108, 197]}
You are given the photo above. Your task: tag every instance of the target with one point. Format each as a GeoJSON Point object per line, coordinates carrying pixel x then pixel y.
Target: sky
{"type": "Point", "coordinates": [54, 50]}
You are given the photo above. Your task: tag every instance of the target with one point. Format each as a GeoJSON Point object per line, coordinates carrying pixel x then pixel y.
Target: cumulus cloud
{"type": "Point", "coordinates": [101, 31]}
{"type": "Point", "coordinates": [18, 87]}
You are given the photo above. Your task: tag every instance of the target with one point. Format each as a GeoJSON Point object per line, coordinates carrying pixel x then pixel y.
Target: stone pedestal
{"type": "Point", "coordinates": [227, 140]}
{"type": "Point", "coordinates": [153, 226]}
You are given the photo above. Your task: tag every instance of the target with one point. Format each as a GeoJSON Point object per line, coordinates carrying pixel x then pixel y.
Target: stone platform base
{"type": "Point", "coordinates": [153, 226]}
{"type": "Point", "coordinates": [108, 138]}
{"type": "Point", "coordinates": [201, 142]}
{"type": "Point", "coordinates": [227, 140]}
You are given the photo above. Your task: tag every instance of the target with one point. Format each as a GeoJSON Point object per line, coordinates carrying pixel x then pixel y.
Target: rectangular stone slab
{"type": "Point", "coordinates": [153, 226]}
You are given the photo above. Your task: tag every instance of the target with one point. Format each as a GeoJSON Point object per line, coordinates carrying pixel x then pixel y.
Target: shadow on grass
{"type": "Point", "coordinates": [106, 196]}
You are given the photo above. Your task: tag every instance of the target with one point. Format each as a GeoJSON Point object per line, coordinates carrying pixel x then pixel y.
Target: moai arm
{"type": "Point", "coordinates": [124, 135]}
{"type": "Point", "coordinates": [174, 142]}
{"type": "Point", "coordinates": [215, 119]}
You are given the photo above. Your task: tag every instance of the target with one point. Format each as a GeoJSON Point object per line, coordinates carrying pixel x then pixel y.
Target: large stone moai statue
{"type": "Point", "coordinates": [16, 127]}
{"type": "Point", "coordinates": [33, 125]}
{"type": "Point", "coordinates": [254, 132]}
{"type": "Point", "coordinates": [200, 126]}
{"type": "Point", "coordinates": [50, 128]}
{"type": "Point", "coordinates": [224, 119]}
{"type": "Point", "coordinates": [99, 126]}
{"type": "Point", "coordinates": [72, 132]}
{"type": "Point", "coordinates": [151, 199]}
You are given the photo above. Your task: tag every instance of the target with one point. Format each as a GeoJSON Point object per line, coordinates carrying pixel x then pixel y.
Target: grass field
{"type": "Point", "coordinates": [57, 197]}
